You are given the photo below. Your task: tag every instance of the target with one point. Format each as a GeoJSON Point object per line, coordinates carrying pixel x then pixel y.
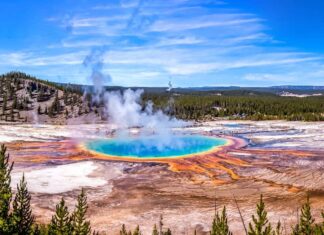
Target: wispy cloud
{"type": "Point", "coordinates": [13, 58]}
{"type": "Point", "coordinates": [185, 40]}
{"type": "Point", "coordinates": [31, 59]}
{"type": "Point", "coordinates": [196, 68]}
{"type": "Point", "coordinates": [219, 20]}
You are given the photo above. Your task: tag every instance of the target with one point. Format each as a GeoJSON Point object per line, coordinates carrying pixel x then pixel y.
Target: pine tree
{"type": "Point", "coordinates": [295, 230]}
{"type": "Point", "coordinates": [36, 230]}
{"type": "Point", "coordinates": [56, 106]}
{"type": "Point", "coordinates": [79, 224]}
{"type": "Point", "coordinates": [50, 111]}
{"type": "Point", "coordinates": [168, 232]}
{"type": "Point", "coordinates": [278, 230]}
{"type": "Point", "coordinates": [65, 98]}
{"type": "Point", "coordinates": [4, 104]}
{"type": "Point", "coordinates": [41, 230]}
{"type": "Point", "coordinates": [22, 218]}
{"type": "Point", "coordinates": [137, 231]}
{"type": "Point", "coordinates": [12, 115]}
{"type": "Point", "coordinates": [220, 225]}
{"type": "Point", "coordinates": [306, 221]}
{"type": "Point", "coordinates": [61, 221]}
{"type": "Point", "coordinates": [80, 111]}
{"type": "Point", "coordinates": [14, 102]}
{"type": "Point", "coordinates": [261, 225]}
{"type": "Point", "coordinates": [161, 225]}
{"type": "Point", "coordinates": [123, 231]}
{"type": "Point", "coordinates": [155, 231]}
{"type": "Point", "coordinates": [5, 191]}
{"type": "Point", "coordinates": [319, 228]}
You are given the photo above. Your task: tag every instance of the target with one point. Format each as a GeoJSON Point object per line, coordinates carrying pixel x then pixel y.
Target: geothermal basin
{"type": "Point", "coordinates": [181, 178]}
{"type": "Point", "coordinates": [151, 147]}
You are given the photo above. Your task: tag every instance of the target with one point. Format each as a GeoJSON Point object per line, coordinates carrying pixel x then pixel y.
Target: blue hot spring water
{"type": "Point", "coordinates": [154, 146]}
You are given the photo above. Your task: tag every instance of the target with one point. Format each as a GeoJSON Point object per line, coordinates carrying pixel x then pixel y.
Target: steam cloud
{"type": "Point", "coordinates": [125, 110]}
{"type": "Point", "coordinates": [95, 60]}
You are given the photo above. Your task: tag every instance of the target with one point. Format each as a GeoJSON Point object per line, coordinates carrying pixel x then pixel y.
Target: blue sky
{"type": "Point", "coordinates": [149, 42]}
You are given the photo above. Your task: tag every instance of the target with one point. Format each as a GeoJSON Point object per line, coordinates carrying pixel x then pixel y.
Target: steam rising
{"type": "Point", "coordinates": [95, 60]}
{"type": "Point", "coordinates": [125, 109]}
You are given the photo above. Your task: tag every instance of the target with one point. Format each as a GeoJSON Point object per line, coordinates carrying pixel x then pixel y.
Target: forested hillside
{"type": "Point", "coordinates": [235, 105]}
{"type": "Point", "coordinates": [24, 98]}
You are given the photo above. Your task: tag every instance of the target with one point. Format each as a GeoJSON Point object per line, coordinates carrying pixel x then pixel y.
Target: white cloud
{"type": "Point", "coordinates": [33, 59]}
{"type": "Point", "coordinates": [129, 3]}
{"type": "Point", "coordinates": [13, 58]}
{"type": "Point", "coordinates": [216, 20]}
{"type": "Point", "coordinates": [63, 59]}
{"type": "Point", "coordinates": [96, 21]}
{"type": "Point", "coordinates": [186, 40]}
{"type": "Point", "coordinates": [248, 38]}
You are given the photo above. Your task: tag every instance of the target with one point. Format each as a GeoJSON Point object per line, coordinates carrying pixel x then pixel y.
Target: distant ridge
{"type": "Point", "coordinates": [225, 90]}
{"type": "Point", "coordinates": [293, 87]}
{"type": "Point", "coordinates": [204, 88]}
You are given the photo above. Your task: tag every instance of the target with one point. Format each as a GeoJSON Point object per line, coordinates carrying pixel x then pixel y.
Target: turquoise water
{"type": "Point", "coordinates": [155, 146]}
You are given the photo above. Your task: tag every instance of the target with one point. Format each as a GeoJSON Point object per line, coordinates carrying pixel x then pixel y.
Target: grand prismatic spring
{"type": "Point", "coordinates": [148, 147]}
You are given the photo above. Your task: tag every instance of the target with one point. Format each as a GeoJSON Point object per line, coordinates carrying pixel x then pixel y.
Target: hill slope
{"type": "Point", "coordinates": [24, 98]}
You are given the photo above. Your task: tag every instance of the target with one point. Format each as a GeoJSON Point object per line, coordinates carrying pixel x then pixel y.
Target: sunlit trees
{"type": "Point", "coordinates": [260, 224]}
{"type": "Point", "coordinates": [220, 225]}
{"type": "Point", "coordinates": [22, 218]}
{"type": "Point", "coordinates": [61, 220]}
{"type": "Point", "coordinates": [5, 191]}
{"type": "Point", "coordinates": [306, 222]}
{"type": "Point", "coordinates": [155, 231]}
{"type": "Point", "coordinates": [124, 231]}
{"type": "Point", "coordinates": [137, 231]}
{"type": "Point", "coordinates": [80, 226]}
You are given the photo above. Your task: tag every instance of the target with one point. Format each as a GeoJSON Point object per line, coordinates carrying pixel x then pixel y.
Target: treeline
{"type": "Point", "coordinates": [16, 75]}
{"type": "Point", "coordinates": [16, 216]}
{"type": "Point", "coordinates": [204, 106]}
